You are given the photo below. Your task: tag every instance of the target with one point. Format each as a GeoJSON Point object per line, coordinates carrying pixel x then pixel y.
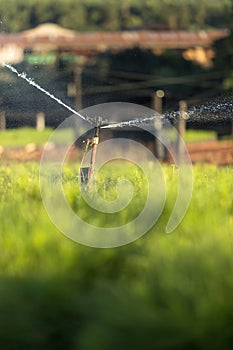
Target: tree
{"type": "Point", "coordinates": [224, 56]}
{"type": "Point", "coordinates": [113, 14]}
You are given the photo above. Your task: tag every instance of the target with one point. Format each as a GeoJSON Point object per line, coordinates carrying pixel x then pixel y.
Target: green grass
{"type": "Point", "coordinates": [160, 292]}
{"type": "Point", "coordinates": [199, 135]}
{"type": "Point", "coordinates": [24, 136]}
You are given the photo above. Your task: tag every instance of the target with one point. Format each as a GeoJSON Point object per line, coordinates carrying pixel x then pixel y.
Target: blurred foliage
{"type": "Point", "coordinates": [20, 101]}
{"type": "Point", "coordinates": [23, 136]}
{"type": "Point", "coordinates": [114, 14]}
{"type": "Point", "coordinates": [128, 76]}
{"type": "Point", "coordinates": [224, 57]}
{"type": "Point", "coordinates": [160, 292]}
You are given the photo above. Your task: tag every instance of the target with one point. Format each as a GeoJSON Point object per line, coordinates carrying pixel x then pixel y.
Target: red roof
{"type": "Point", "coordinates": [50, 37]}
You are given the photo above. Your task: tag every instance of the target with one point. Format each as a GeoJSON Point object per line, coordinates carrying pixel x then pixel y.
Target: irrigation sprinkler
{"type": "Point", "coordinates": [91, 143]}
{"type": "Point", "coordinates": [87, 172]}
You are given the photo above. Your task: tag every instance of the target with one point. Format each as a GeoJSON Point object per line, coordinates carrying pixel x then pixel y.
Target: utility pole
{"type": "Point", "coordinates": [74, 89]}
{"type": "Point", "coordinates": [158, 107]}
{"type": "Point", "coordinates": [158, 101]}
{"type": "Point", "coordinates": [181, 127]}
{"type": "Point", "coordinates": [40, 121]}
{"type": "Point", "coordinates": [2, 121]}
{"type": "Point", "coordinates": [78, 87]}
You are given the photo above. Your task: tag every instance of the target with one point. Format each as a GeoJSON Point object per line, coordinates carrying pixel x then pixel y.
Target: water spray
{"type": "Point", "coordinates": [86, 173]}
{"type": "Point", "coordinates": [195, 113]}
{"type": "Point", "coordinates": [24, 76]}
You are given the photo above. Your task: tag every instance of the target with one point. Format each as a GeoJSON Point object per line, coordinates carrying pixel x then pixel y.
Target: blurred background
{"type": "Point", "coordinates": [90, 52]}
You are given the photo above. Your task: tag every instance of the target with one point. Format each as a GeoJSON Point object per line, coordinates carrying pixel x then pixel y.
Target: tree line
{"type": "Point", "coordinates": [94, 15]}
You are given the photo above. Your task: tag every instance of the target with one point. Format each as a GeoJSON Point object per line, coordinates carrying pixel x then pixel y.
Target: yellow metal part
{"type": "Point", "coordinates": [96, 140]}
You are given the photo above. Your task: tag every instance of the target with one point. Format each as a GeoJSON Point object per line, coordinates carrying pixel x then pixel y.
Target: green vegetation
{"type": "Point", "coordinates": [195, 136]}
{"type": "Point", "coordinates": [23, 136]}
{"type": "Point", "coordinates": [105, 77]}
{"type": "Point", "coordinates": [114, 14]}
{"type": "Point", "coordinates": [225, 54]}
{"type": "Point", "coordinates": [161, 292]}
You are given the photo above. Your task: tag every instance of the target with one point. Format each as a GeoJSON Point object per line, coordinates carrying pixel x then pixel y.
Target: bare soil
{"type": "Point", "coordinates": [213, 152]}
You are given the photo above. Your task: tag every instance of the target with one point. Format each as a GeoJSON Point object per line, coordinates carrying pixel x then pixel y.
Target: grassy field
{"type": "Point", "coordinates": [160, 292]}
{"type": "Point", "coordinates": [23, 136]}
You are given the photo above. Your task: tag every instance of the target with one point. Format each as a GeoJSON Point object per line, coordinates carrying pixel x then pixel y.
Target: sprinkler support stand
{"type": "Point", "coordinates": [87, 172]}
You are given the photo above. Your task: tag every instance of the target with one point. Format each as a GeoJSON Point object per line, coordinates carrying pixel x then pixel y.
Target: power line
{"type": "Point", "coordinates": [149, 83]}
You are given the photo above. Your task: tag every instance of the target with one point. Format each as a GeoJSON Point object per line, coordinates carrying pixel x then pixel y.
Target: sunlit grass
{"type": "Point", "coordinates": [23, 217]}
{"type": "Point", "coordinates": [24, 136]}
{"type": "Point", "coordinates": [174, 290]}
{"type": "Point", "coordinates": [199, 135]}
